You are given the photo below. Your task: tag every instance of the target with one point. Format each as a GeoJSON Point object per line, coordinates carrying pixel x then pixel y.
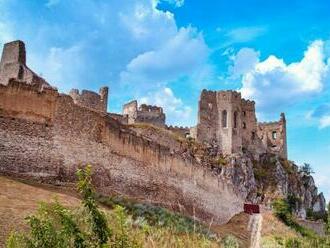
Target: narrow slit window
{"type": "Point", "coordinates": [244, 125]}
{"type": "Point", "coordinates": [235, 119]}
{"type": "Point", "coordinates": [224, 118]}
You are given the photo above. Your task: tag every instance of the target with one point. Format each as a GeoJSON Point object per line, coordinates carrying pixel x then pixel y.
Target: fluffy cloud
{"type": "Point", "coordinates": [120, 43]}
{"type": "Point", "coordinates": [181, 55]}
{"type": "Point", "coordinates": [321, 115]}
{"type": "Point", "coordinates": [55, 67]}
{"type": "Point", "coordinates": [174, 108]}
{"type": "Point", "coordinates": [273, 84]}
{"type": "Point", "coordinates": [176, 3]}
{"type": "Point", "coordinates": [245, 34]}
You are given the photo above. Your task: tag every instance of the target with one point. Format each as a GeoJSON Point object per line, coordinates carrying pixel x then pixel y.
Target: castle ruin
{"type": "Point", "coordinates": [229, 122]}
{"type": "Point", "coordinates": [144, 114]}
{"type": "Point", "coordinates": [46, 136]}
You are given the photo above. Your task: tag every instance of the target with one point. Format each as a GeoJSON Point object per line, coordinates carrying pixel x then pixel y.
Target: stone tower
{"type": "Point", "coordinates": [13, 65]}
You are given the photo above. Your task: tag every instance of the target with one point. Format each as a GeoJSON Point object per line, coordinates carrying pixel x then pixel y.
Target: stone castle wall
{"type": "Point", "coordinates": [13, 65]}
{"type": "Point", "coordinates": [90, 99]}
{"type": "Point", "coordinates": [229, 122]}
{"type": "Point", "coordinates": [144, 114]}
{"type": "Point", "coordinates": [273, 136]}
{"type": "Point", "coordinates": [51, 142]}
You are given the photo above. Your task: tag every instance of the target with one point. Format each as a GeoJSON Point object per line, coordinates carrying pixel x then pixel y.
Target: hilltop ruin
{"type": "Point", "coordinates": [206, 171]}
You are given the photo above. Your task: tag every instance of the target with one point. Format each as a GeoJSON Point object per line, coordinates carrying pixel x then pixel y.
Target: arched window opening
{"type": "Point", "coordinates": [224, 118]}
{"type": "Point", "coordinates": [244, 113]}
{"type": "Point", "coordinates": [244, 125]}
{"type": "Point", "coordinates": [235, 119]}
{"type": "Point", "coordinates": [274, 135]}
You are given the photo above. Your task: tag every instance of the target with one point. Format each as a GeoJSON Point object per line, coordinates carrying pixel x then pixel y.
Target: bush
{"type": "Point", "coordinates": [230, 242]}
{"type": "Point", "coordinates": [54, 226]}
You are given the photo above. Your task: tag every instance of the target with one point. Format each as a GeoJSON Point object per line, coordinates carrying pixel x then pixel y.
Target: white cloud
{"type": "Point", "coordinates": [325, 121]}
{"type": "Point", "coordinates": [320, 115]}
{"type": "Point", "coordinates": [183, 54]}
{"type": "Point", "coordinates": [176, 3]}
{"type": "Point", "coordinates": [174, 108]}
{"type": "Point", "coordinates": [245, 34]}
{"type": "Point", "coordinates": [273, 84]}
{"type": "Point", "coordinates": [243, 62]}
{"type": "Point", "coordinates": [61, 67]}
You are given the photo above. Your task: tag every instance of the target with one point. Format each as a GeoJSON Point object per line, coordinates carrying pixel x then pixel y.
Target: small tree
{"type": "Point", "coordinates": [307, 169]}
{"type": "Point", "coordinates": [54, 226]}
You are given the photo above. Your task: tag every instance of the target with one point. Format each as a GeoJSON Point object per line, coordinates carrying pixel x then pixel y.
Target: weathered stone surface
{"type": "Point", "coordinates": [230, 121]}
{"type": "Point", "coordinates": [144, 114]}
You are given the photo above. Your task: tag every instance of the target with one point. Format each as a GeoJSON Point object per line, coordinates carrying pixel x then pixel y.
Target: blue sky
{"type": "Point", "coordinates": [164, 52]}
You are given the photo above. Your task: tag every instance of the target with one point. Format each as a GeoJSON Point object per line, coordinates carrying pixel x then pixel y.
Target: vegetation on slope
{"type": "Point", "coordinates": [308, 238]}
{"type": "Point", "coordinates": [54, 225]}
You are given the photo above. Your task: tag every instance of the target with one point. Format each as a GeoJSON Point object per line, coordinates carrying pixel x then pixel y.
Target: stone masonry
{"type": "Point", "coordinates": [228, 122]}
{"type": "Point", "coordinates": [144, 114]}
{"type": "Point", "coordinates": [46, 136]}
{"type": "Point", "coordinates": [13, 65]}
{"type": "Point", "coordinates": [90, 99]}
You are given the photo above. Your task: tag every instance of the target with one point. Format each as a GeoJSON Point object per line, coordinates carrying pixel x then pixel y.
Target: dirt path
{"type": "Point", "coordinates": [254, 226]}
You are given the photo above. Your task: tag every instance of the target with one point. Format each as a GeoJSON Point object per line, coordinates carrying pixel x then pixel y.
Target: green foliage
{"type": "Point", "coordinates": [283, 211]}
{"type": "Point", "coordinates": [327, 227]}
{"type": "Point", "coordinates": [54, 226]}
{"type": "Point", "coordinates": [96, 218]}
{"type": "Point", "coordinates": [311, 215]}
{"type": "Point", "coordinates": [307, 169]}
{"type": "Point", "coordinates": [155, 216]}
{"type": "Point", "coordinates": [230, 242]}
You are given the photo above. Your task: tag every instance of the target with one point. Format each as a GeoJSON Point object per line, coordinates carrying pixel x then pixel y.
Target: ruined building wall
{"type": "Point", "coordinates": [273, 136]}
{"type": "Point", "coordinates": [130, 110]}
{"type": "Point", "coordinates": [219, 120]}
{"type": "Point", "coordinates": [229, 128]}
{"type": "Point", "coordinates": [123, 162]}
{"type": "Point", "coordinates": [183, 132]}
{"type": "Point", "coordinates": [13, 65]}
{"type": "Point", "coordinates": [207, 117]}
{"type": "Point", "coordinates": [249, 123]}
{"type": "Point", "coordinates": [144, 114]}
{"type": "Point", "coordinates": [90, 99]}
{"type": "Point", "coordinates": [229, 122]}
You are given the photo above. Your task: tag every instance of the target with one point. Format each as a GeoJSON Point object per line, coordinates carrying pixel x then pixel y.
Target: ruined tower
{"type": "Point", "coordinates": [228, 122]}
{"type": "Point", "coordinates": [273, 136]}
{"type": "Point", "coordinates": [13, 65]}
{"type": "Point", "coordinates": [144, 114]}
{"type": "Point", "coordinates": [90, 99]}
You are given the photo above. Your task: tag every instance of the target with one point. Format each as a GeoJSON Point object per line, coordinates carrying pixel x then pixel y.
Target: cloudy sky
{"type": "Point", "coordinates": [165, 51]}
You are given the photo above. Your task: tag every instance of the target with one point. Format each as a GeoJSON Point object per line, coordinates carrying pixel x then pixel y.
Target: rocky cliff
{"type": "Point", "coordinates": [259, 178]}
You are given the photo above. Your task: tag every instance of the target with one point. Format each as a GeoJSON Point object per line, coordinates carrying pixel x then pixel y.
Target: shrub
{"type": "Point", "coordinates": [230, 242]}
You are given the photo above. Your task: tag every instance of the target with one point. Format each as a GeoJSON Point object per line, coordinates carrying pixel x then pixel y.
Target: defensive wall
{"type": "Point", "coordinates": [46, 136]}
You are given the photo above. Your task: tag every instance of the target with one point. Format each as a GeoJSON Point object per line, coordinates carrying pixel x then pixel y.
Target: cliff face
{"type": "Point", "coordinates": [271, 177]}
{"type": "Point", "coordinates": [258, 178]}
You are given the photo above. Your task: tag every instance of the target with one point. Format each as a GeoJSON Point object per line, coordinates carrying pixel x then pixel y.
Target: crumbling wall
{"type": "Point", "coordinates": [273, 136]}
{"type": "Point", "coordinates": [13, 65]}
{"type": "Point", "coordinates": [208, 117]}
{"type": "Point", "coordinates": [144, 114]}
{"type": "Point", "coordinates": [90, 99]}
{"type": "Point", "coordinates": [183, 132]}
{"type": "Point", "coordinates": [219, 120]}
{"type": "Point", "coordinates": [122, 161]}
{"type": "Point", "coordinates": [130, 110]}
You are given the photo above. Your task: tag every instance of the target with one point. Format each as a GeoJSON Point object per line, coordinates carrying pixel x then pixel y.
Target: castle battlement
{"type": "Point", "coordinates": [91, 99]}
{"type": "Point", "coordinates": [143, 113]}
